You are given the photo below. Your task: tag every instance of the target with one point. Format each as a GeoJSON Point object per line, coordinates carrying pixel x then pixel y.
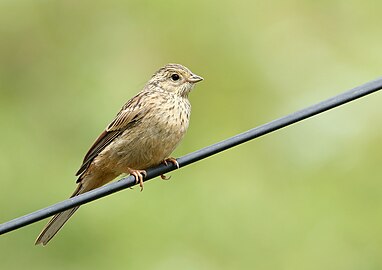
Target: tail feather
{"type": "Point", "coordinates": [57, 221]}
{"type": "Point", "coordinates": [54, 225]}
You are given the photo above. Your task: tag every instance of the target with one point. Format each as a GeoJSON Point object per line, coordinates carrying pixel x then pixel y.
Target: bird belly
{"type": "Point", "coordinates": [143, 147]}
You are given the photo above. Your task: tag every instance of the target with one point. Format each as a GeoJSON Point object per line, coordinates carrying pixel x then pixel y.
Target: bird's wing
{"type": "Point", "coordinates": [132, 112]}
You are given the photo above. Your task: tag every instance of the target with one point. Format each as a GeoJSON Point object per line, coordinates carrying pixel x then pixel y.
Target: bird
{"type": "Point", "coordinates": [143, 134]}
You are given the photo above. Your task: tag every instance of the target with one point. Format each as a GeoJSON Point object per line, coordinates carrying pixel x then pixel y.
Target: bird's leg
{"type": "Point", "coordinates": [165, 162]}
{"type": "Point", "coordinates": [138, 174]}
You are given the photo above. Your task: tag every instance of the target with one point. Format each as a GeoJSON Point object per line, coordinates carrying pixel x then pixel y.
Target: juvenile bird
{"type": "Point", "coordinates": [143, 134]}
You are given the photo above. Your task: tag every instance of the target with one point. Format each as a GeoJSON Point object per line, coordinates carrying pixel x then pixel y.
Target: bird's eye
{"type": "Point", "coordinates": [175, 77]}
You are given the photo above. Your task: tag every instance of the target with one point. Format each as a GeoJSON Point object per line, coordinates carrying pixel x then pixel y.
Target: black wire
{"type": "Point", "coordinates": [129, 181]}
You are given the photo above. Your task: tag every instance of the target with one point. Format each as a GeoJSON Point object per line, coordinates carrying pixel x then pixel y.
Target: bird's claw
{"type": "Point", "coordinates": [164, 177]}
{"type": "Point", "coordinates": [165, 162]}
{"type": "Point", "coordinates": [138, 174]}
{"type": "Point", "coordinates": [171, 160]}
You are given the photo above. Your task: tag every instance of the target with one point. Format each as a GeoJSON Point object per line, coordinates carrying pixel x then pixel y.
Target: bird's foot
{"type": "Point", "coordinates": [138, 174]}
{"type": "Point", "coordinates": [165, 162]}
{"type": "Point", "coordinates": [171, 160]}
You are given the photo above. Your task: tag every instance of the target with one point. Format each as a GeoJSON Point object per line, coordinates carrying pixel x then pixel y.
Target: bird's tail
{"type": "Point", "coordinates": [57, 221]}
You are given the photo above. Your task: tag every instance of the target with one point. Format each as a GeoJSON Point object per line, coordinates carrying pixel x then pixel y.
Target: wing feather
{"type": "Point", "coordinates": [129, 115]}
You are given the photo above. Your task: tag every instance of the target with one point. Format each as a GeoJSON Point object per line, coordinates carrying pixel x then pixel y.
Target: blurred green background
{"type": "Point", "coordinates": [305, 197]}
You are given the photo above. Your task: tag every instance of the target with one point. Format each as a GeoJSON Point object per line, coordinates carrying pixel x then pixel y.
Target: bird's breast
{"type": "Point", "coordinates": [155, 137]}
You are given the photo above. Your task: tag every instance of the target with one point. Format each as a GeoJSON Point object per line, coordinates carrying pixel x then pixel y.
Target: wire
{"type": "Point", "coordinates": [129, 181]}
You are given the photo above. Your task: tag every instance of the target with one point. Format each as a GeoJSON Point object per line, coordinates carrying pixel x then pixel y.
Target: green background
{"type": "Point", "coordinates": [305, 197]}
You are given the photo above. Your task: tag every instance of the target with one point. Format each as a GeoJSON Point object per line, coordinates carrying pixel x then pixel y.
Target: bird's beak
{"type": "Point", "coordinates": [195, 78]}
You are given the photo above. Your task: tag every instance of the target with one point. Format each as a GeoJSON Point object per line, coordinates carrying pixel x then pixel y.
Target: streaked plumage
{"type": "Point", "coordinates": [143, 134]}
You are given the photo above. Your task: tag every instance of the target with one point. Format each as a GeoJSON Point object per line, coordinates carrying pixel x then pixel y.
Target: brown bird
{"type": "Point", "coordinates": [143, 134]}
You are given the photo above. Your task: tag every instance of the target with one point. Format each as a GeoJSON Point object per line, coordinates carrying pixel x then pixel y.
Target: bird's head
{"type": "Point", "coordinates": [174, 78]}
